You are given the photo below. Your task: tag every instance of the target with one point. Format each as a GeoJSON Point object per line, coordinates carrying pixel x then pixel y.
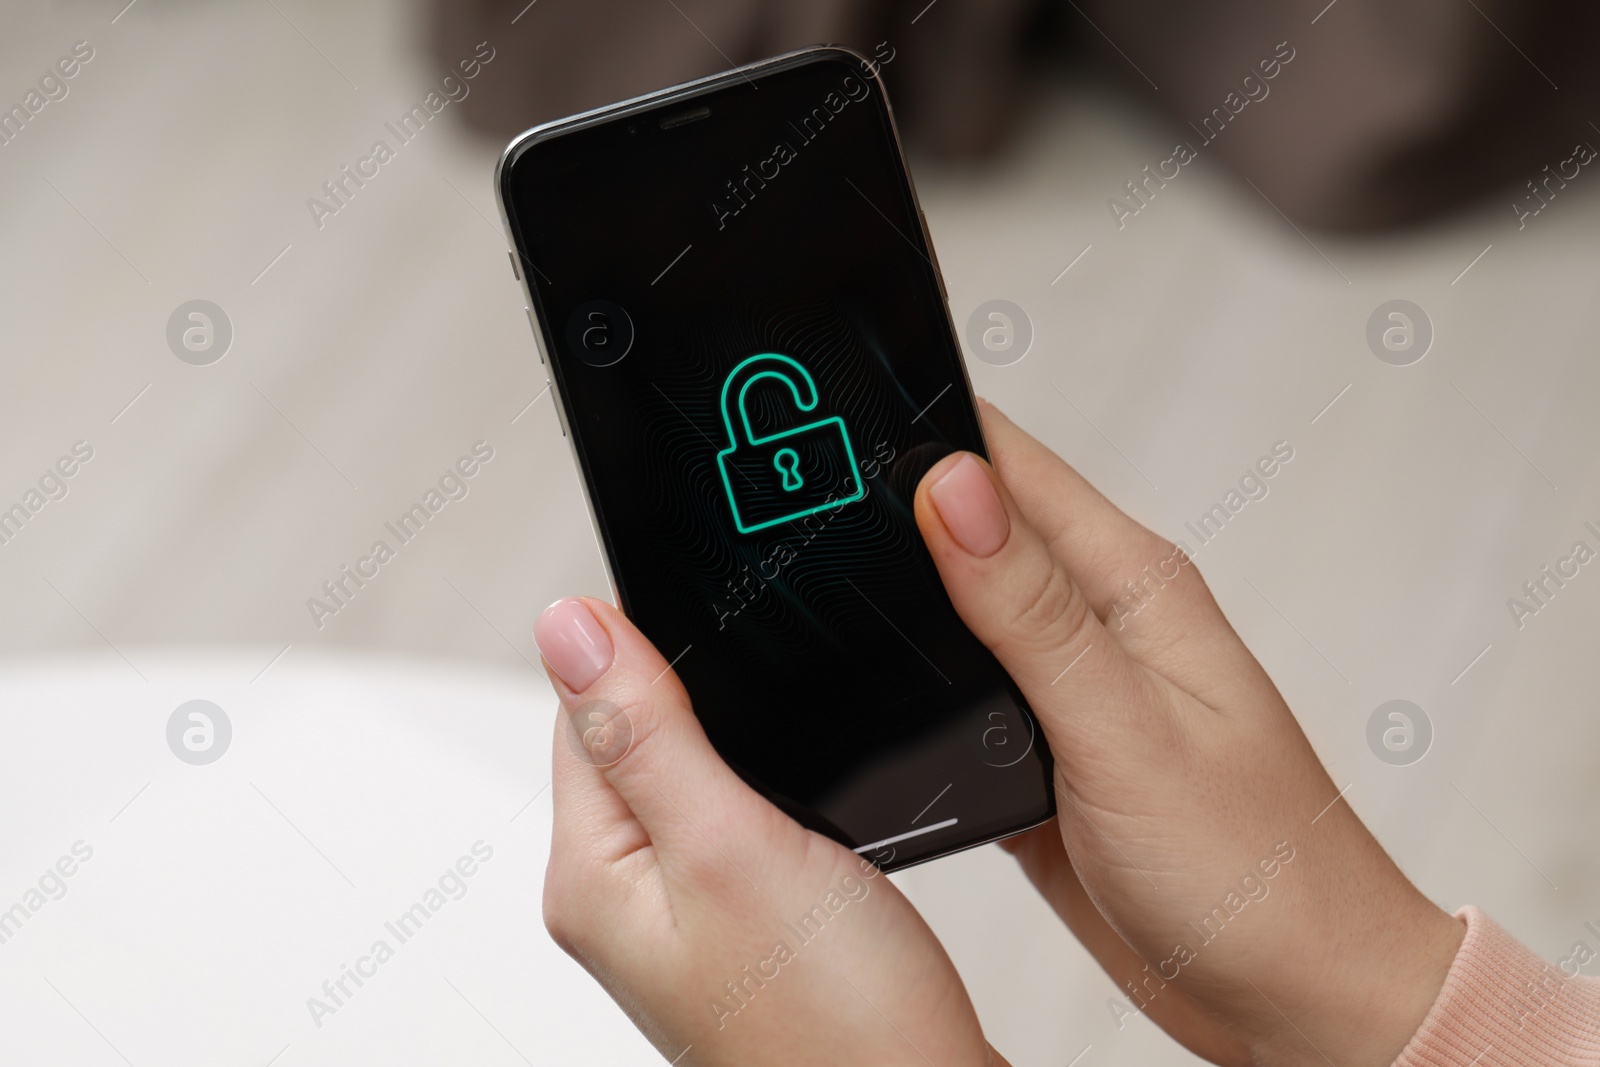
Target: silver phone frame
{"type": "Point", "coordinates": [543, 330]}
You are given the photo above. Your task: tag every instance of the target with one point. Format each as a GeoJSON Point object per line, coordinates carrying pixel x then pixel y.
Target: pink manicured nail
{"type": "Point", "coordinates": [574, 643]}
{"type": "Point", "coordinates": [970, 507]}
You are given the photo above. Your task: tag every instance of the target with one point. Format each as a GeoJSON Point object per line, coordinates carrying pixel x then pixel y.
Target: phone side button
{"type": "Point", "coordinates": [533, 324]}
{"type": "Point", "coordinates": [514, 272]}
{"type": "Point", "coordinates": [933, 256]}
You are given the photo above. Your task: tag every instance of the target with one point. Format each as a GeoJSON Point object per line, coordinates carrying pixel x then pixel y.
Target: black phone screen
{"type": "Point", "coordinates": [752, 350]}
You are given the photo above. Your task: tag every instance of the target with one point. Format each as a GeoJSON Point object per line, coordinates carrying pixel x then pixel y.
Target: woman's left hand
{"type": "Point", "coordinates": [730, 934]}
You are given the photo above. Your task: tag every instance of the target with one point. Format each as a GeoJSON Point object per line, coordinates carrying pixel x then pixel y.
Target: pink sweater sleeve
{"type": "Point", "coordinates": [1503, 1006]}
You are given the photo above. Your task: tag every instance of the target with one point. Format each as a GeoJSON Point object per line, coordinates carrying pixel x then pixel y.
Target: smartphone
{"type": "Point", "coordinates": [752, 356]}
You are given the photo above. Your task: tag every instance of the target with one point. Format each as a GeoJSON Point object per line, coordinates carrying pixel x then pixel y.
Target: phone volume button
{"type": "Point", "coordinates": [514, 272]}
{"type": "Point", "coordinates": [933, 256]}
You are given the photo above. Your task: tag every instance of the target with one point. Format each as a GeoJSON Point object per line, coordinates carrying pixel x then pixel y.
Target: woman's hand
{"type": "Point", "coordinates": [1198, 852]}
{"type": "Point", "coordinates": [726, 931]}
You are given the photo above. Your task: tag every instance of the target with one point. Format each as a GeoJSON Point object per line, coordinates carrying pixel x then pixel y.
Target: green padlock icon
{"type": "Point", "coordinates": [787, 475]}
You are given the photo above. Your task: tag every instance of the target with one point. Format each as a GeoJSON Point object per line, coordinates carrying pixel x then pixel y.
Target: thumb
{"type": "Point", "coordinates": [634, 734]}
{"type": "Point", "coordinates": [1020, 600]}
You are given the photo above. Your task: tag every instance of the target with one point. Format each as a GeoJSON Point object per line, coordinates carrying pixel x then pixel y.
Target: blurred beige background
{"type": "Point", "coordinates": [369, 354]}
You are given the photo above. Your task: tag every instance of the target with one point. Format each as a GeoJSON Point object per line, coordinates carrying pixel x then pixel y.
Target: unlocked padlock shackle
{"type": "Point", "coordinates": [752, 370]}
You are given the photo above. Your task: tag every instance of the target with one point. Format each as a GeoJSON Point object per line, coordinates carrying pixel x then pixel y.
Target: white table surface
{"type": "Point", "coordinates": [218, 898]}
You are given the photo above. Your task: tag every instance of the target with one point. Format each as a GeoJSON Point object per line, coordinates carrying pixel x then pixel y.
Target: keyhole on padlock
{"type": "Point", "coordinates": [788, 463]}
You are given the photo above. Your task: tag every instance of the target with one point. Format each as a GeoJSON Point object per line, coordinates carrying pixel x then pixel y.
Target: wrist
{"type": "Point", "coordinates": [1375, 984]}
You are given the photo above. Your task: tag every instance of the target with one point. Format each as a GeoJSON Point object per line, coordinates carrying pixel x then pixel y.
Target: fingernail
{"type": "Point", "coordinates": [574, 643]}
{"type": "Point", "coordinates": [970, 508]}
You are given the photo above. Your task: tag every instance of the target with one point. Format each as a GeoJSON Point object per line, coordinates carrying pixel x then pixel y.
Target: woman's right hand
{"type": "Point", "coordinates": [1199, 852]}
